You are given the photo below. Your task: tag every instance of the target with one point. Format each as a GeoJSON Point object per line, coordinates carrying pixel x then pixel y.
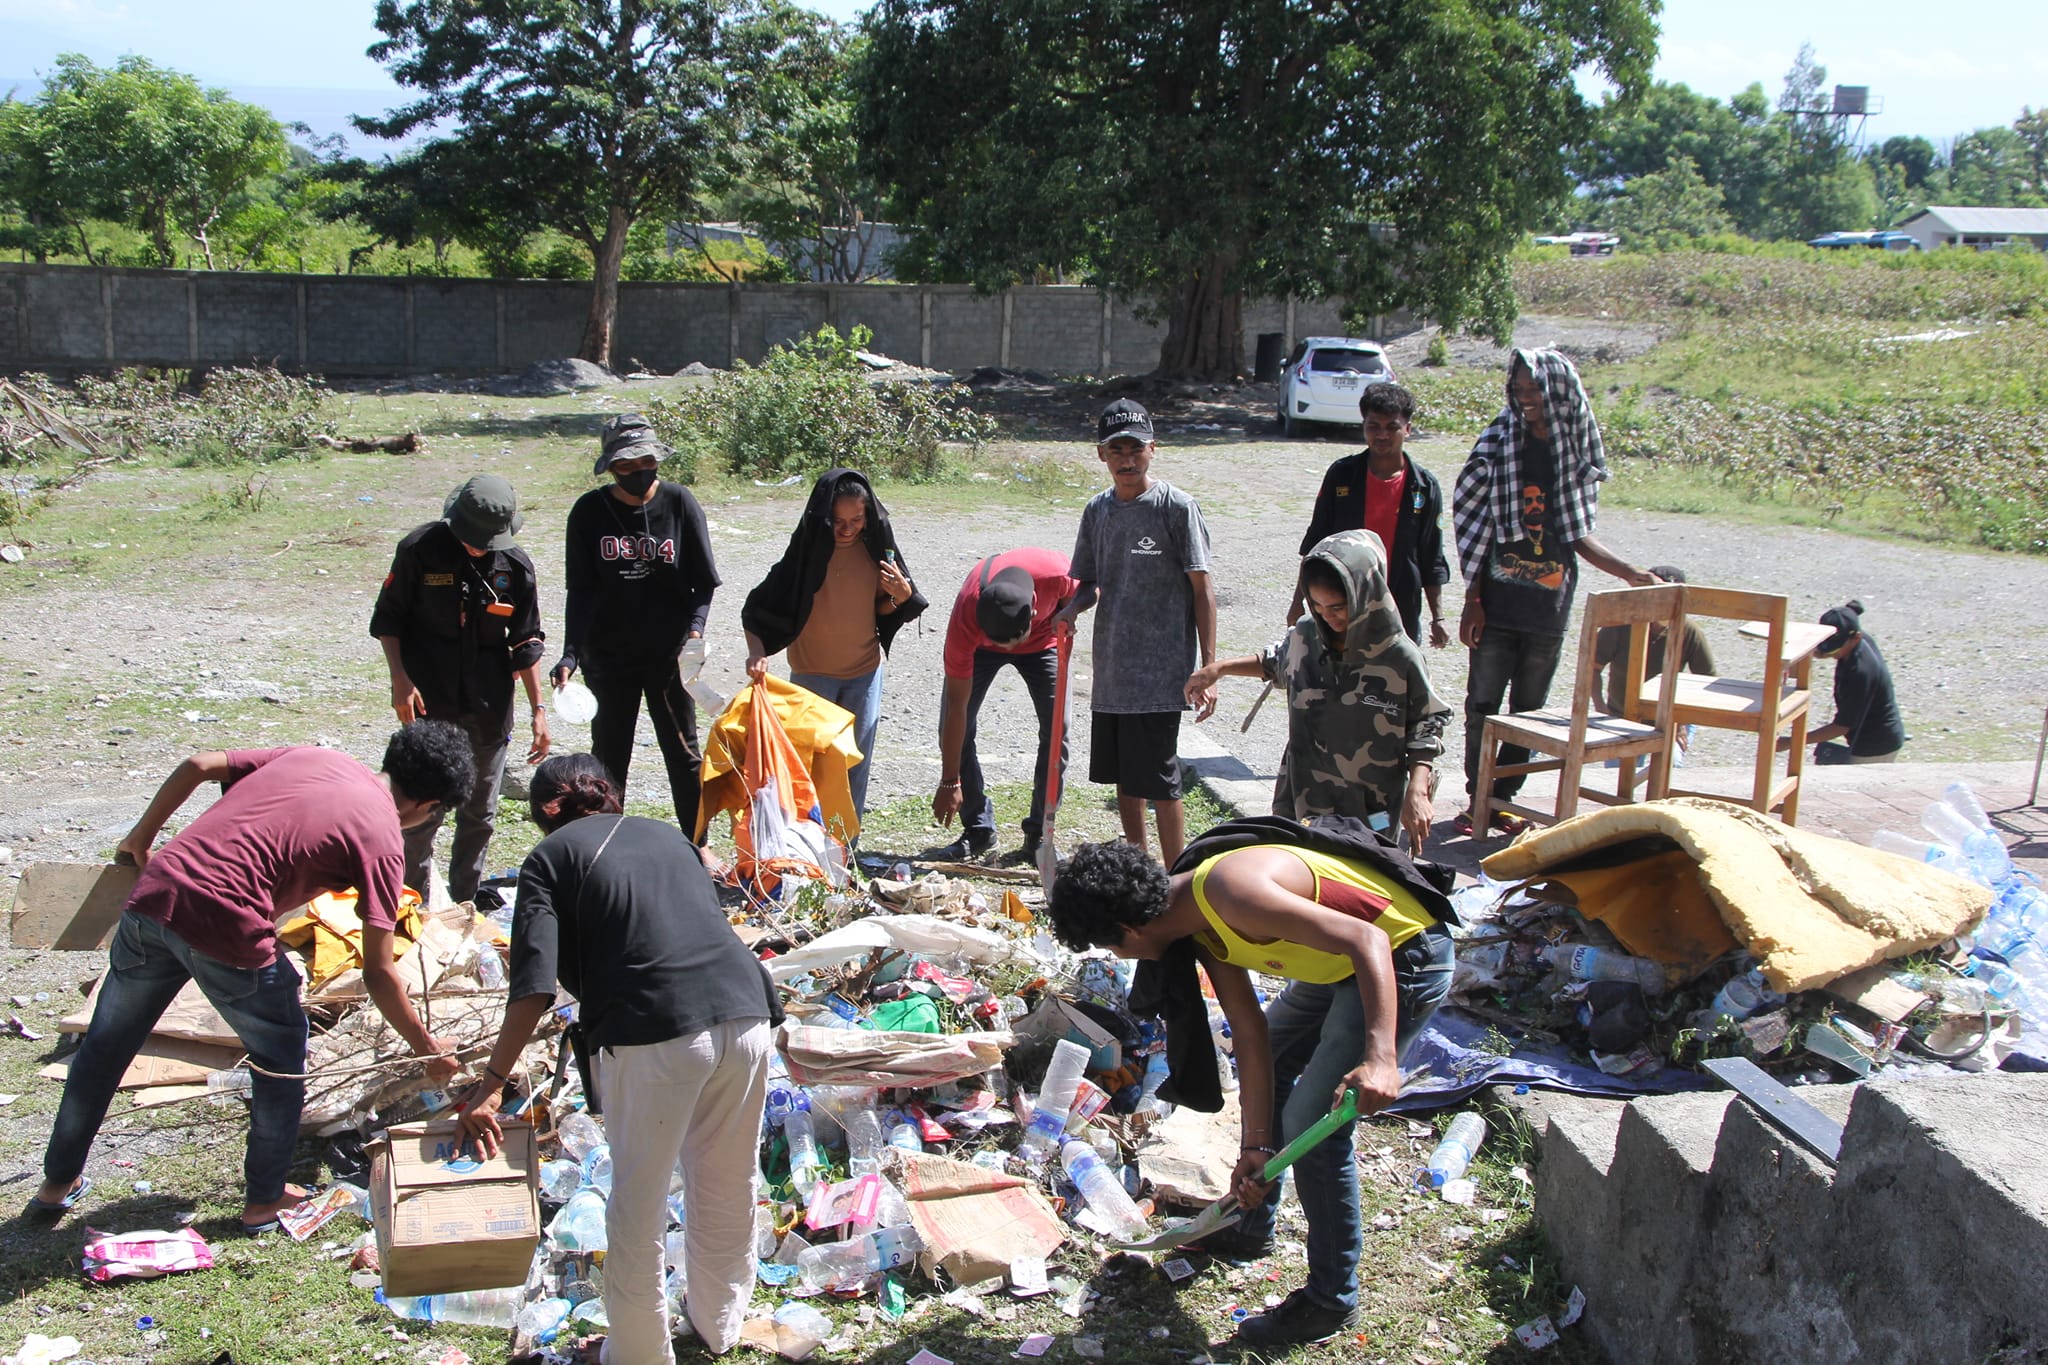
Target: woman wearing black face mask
{"type": "Point", "coordinates": [640, 578]}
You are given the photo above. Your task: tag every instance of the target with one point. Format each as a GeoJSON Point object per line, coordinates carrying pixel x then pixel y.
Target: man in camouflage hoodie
{"type": "Point", "coordinates": [1363, 727]}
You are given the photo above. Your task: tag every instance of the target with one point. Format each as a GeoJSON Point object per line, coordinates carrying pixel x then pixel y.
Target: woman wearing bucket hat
{"type": "Point", "coordinates": [459, 619]}
{"type": "Point", "coordinates": [640, 578]}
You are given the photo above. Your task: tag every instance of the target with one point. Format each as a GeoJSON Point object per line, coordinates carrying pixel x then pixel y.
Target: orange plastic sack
{"type": "Point", "coordinates": [779, 829]}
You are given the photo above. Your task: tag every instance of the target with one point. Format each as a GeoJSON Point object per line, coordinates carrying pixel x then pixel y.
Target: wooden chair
{"type": "Point", "coordinates": [1581, 736]}
{"type": "Point", "coordinates": [1772, 706]}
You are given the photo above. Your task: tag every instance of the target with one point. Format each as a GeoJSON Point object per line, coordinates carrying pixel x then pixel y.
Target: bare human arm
{"type": "Point", "coordinates": [186, 778]}
{"type": "Point", "coordinates": [479, 1113]}
{"type": "Point", "coordinates": [1254, 1054]}
{"type": "Point", "coordinates": [757, 657]}
{"type": "Point", "coordinates": [1605, 560]}
{"type": "Point", "coordinates": [405, 698]}
{"type": "Point", "coordinates": [1202, 682]}
{"type": "Point", "coordinates": [529, 679]}
{"type": "Point", "coordinates": [387, 992]}
{"type": "Point", "coordinates": [1438, 635]}
{"type": "Point", "coordinates": [1083, 598]}
{"type": "Point", "coordinates": [1204, 584]}
{"type": "Point", "coordinates": [952, 740]}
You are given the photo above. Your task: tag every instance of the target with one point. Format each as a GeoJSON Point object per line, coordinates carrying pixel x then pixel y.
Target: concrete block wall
{"type": "Point", "coordinates": [68, 318]}
{"type": "Point", "coordinates": [1702, 1235]}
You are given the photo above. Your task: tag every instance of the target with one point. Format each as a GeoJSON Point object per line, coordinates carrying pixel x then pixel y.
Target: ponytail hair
{"type": "Point", "coordinates": [570, 786]}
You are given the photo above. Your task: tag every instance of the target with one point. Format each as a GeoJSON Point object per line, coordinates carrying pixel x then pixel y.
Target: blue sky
{"type": "Point", "coordinates": [1939, 72]}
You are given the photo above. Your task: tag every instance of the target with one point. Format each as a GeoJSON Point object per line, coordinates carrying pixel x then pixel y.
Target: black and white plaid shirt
{"type": "Point", "coordinates": [1486, 503]}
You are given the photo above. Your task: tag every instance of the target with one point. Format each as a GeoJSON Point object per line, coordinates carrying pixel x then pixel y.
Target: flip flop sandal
{"type": "Point", "coordinates": [1462, 826]}
{"type": "Point", "coordinates": [45, 1212]}
{"type": "Point", "coordinates": [260, 1229]}
{"type": "Point", "coordinates": [1509, 824]}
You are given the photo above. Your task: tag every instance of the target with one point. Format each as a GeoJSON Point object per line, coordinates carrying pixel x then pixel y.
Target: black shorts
{"type": "Point", "coordinates": [1138, 755]}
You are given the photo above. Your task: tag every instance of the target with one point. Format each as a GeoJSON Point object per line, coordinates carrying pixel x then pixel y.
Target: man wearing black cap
{"type": "Point", "coordinates": [1003, 615]}
{"type": "Point", "coordinates": [1143, 553]}
{"type": "Point", "coordinates": [640, 579]}
{"type": "Point", "coordinates": [459, 618]}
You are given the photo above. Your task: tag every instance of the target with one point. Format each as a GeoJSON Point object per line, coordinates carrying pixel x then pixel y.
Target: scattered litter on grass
{"type": "Point", "coordinates": [1537, 1333]}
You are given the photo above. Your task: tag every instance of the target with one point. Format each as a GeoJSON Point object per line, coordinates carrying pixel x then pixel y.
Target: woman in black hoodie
{"type": "Point", "coordinates": [835, 600]}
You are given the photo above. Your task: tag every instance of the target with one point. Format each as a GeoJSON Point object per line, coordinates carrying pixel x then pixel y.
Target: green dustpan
{"type": "Point", "coordinates": [1225, 1211]}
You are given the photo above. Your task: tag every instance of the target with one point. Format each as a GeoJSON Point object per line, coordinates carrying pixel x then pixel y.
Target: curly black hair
{"type": "Point", "coordinates": [1101, 891]}
{"type": "Point", "coordinates": [1389, 400]}
{"type": "Point", "coordinates": [429, 760]}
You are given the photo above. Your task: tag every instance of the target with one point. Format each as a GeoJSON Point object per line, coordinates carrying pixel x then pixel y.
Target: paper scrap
{"type": "Point", "coordinates": [1537, 1334]}
{"type": "Point", "coordinates": [1178, 1270]}
{"type": "Point", "coordinates": [1574, 1308]}
{"type": "Point", "coordinates": [1088, 1348]}
{"type": "Point", "coordinates": [1028, 1276]}
{"type": "Point", "coordinates": [1037, 1344]}
{"type": "Point", "coordinates": [924, 1357]}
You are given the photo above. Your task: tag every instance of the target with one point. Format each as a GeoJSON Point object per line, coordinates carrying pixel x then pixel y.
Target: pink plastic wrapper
{"type": "Point", "coordinates": [849, 1201]}
{"type": "Point", "coordinates": [145, 1255]}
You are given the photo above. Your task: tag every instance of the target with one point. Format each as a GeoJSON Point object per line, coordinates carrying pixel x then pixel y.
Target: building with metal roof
{"type": "Point", "coordinates": [1983, 229]}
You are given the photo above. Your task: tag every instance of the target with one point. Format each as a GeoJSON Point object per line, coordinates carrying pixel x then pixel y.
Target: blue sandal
{"type": "Point", "coordinates": [44, 1212]}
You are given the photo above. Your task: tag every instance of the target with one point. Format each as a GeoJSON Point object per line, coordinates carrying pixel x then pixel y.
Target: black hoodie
{"type": "Point", "coordinates": [776, 610]}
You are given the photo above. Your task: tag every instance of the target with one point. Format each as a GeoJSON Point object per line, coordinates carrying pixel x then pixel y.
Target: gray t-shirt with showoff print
{"type": "Point", "coordinates": [1139, 555]}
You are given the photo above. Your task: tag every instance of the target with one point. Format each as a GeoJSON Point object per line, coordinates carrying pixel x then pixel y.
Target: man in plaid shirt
{"type": "Point", "coordinates": [1523, 511]}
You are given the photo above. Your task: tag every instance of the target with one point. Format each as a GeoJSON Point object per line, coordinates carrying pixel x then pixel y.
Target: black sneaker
{"type": "Point", "coordinates": [1298, 1321]}
{"type": "Point", "coordinates": [969, 846]}
{"type": "Point", "coordinates": [1234, 1243]}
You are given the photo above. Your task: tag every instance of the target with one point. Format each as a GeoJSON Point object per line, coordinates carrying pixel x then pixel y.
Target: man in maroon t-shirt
{"type": "Point", "coordinates": [1002, 616]}
{"type": "Point", "coordinates": [290, 824]}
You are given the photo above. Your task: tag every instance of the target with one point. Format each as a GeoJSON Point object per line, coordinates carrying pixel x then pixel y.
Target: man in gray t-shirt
{"type": "Point", "coordinates": [1142, 556]}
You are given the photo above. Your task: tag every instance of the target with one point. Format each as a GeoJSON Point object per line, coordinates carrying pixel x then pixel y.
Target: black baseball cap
{"type": "Point", "coordinates": [627, 438]}
{"type": "Point", "coordinates": [1123, 418]}
{"type": "Point", "coordinates": [1004, 609]}
{"type": "Point", "coordinates": [484, 513]}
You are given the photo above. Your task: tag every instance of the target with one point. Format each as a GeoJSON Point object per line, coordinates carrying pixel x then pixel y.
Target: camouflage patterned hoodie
{"type": "Point", "coordinates": [1358, 713]}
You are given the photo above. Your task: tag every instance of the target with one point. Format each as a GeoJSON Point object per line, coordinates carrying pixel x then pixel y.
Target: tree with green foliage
{"type": "Point", "coordinates": [1992, 168]}
{"type": "Point", "coordinates": [1666, 209]}
{"type": "Point", "coordinates": [134, 144]}
{"type": "Point", "coordinates": [1191, 152]}
{"type": "Point", "coordinates": [2032, 127]}
{"type": "Point", "coordinates": [1818, 185]}
{"type": "Point", "coordinates": [586, 116]}
{"type": "Point", "coordinates": [1916, 159]}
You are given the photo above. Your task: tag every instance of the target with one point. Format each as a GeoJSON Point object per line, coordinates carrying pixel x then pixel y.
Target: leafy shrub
{"type": "Point", "coordinates": [810, 405]}
{"type": "Point", "coordinates": [238, 415]}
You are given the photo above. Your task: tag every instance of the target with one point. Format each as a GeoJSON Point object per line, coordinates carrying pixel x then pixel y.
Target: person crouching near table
{"type": "Point", "coordinates": [681, 1019]}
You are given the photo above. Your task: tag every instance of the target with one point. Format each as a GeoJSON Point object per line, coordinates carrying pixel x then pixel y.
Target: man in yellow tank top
{"type": "Point", "coordinates": [1367, 965]}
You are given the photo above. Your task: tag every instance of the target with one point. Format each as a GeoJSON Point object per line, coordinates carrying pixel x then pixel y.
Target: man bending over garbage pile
{"type": "Point", "coordinates": [289, 825]}
{"type": "Point", "coordinates": [1359, 935]}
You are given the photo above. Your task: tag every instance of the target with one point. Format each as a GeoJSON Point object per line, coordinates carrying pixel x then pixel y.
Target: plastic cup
{"type": "Point", "coordinates": [575, 703]}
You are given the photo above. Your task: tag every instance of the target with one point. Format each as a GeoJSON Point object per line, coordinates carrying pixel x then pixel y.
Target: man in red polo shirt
{"type": "Point", "coordinates": [1002, 616]}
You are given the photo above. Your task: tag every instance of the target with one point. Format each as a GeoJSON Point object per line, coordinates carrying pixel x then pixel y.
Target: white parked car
{"type": "Point", "coordinates": [1325, 377]}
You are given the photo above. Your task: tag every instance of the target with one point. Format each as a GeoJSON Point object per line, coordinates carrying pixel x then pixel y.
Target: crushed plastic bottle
{"type": "Point", "coordinates": [1583, 962]}
{"type": "Point", "coordinates": [837, 1264]}
{"type": "Point", "coordinates": [597, 1168]}
{"type": "Point", "coordinates": [579, 1133]}
{"type": "Point", "coordinates": [1104, 1193]}
{"type": "Point", "coordinates": [543, 1321]}
{"type": "Point", "coordinates": [904, 1137]}
{"type": "Point", "coordinates": [1744, 995]}
{"type": "Point", "coordinates": [1920, 851]}
{"type": "Point", "coordinates": [864, 1140]}
{"type": "Point", "coordinates": [1453, 1152]}
{"type": "Point", "coordinates": [804, 1162]}
{"type": "Point", "coordinates": [477, 1308]}
{"type": "Point", "coordinates": [1049, 1109]}
{"type": "Point", "coordinates": [1156, 1071]}
{"type": "Point", "coordinates": [579, 1227]}
{"type": "Point", "coordinates": [1982, 850]}
{"type": "Point", "coordinates": [559, 1180]}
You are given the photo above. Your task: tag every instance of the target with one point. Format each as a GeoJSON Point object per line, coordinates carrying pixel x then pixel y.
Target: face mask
{"type": "Point", "coordinates": [637, 483]}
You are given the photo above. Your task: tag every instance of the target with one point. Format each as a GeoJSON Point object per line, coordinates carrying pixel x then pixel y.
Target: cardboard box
{"type": "Point", "coordinates": [447, 1221]}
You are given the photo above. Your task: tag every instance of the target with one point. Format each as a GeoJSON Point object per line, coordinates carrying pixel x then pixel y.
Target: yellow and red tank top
{"type": "Point", "coordinates": [1339, 885]}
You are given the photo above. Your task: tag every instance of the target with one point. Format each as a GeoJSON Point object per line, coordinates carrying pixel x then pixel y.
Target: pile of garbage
{"type": "Point", "coordinates": [1536, 972]}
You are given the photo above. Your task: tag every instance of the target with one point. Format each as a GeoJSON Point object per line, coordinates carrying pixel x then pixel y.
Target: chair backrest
{"type": "Point", "coordinates": [1734, 604]}
{"type": "Point", "coordinates": [1638, 609]}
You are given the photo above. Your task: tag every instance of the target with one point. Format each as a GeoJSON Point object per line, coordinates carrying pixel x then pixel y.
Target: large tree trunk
{"type": "Point", "coordinates": [1205, 326]}
{"type": "Point", "coordinates": [604, 290]}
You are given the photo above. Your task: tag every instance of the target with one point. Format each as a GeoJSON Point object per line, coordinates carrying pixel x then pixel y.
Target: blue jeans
{"type": "Point", "coordinates": [863, 697]}
{"type": "Point", "coordinates": [1515, 665]}
{"type": "Point", "coordinates": [1317, 1034]}
{"type": "Point", "coordinates": [1040, 671]}
{"type": "Point", "coordinates": [147, 965]}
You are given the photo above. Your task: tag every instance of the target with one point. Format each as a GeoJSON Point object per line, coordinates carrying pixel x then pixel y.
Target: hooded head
{"type": "Point", "coordinates": [1544, 388]}
{"type": "Point", "coordinates": [1352, 563]}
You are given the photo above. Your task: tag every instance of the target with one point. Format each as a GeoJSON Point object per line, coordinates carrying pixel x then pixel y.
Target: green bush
{"type": "Point", "coordinates": [238, 416]}
{"type": "Point", "coordinates": [811, 405]}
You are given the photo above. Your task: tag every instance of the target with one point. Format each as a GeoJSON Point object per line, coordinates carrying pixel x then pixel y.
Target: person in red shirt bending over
{"type": "Point", "coordinates": [289, 825]}
{"type": "Point", "coordinates": [1002, 617]}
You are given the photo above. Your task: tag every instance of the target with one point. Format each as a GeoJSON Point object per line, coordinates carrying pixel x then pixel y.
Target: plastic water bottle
{"type": "Point", "coordinates": [559, 1180]}
{"type": "Point", "coordinates": [1585, 963]}
{"type": "Point", "coordinates": [580, 1224]}
{"type": "Point", "coordinates": [477, 1308]}
{"type": "Point", "coordinates": [1453, 1152]}
{"type": "Point", "coordinates": [1920, 851]}
{"type": "Point", "coordinates": [235, 1080]}
{"type": "Point", "coordinates": [864, 1140]}
{"type": "Point", "coordinates": [597, 1168]}
{"type": "Point", "coordinates": [1983, 851]}
{"type": "Point", "coordinates": [804, 1163]}
{"type": "Point", "coordinates": [834, 1264]}
{"type": "Point", "coordinates": [1049, 1110]}
{"type": "Point", "coordinates": [785, 1097]}
{"type": "Point", "coordinates": [1744, 995]}
{"type": "Point", "coordinates": [543, 1321]}
{"type": "Point", "coordinates": [1965, 803]}
{"type": "Point", "coordinates": [579, 1133]}
{"type": "Point", "coordinates": [1103, 1191]}
{"type": "Point", "coordinates": [904, 1137]}
{"type": "Point", "coordinates": [2017, 918]}
{"type": "Point", "coordinates": [1156, 1071]}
